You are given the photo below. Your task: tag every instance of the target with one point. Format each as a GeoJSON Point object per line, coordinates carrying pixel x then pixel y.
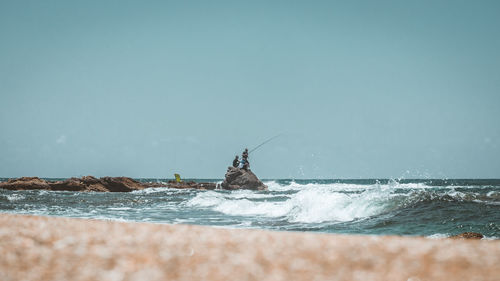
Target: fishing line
{"type": "Point", "coordinates": [268, 140]}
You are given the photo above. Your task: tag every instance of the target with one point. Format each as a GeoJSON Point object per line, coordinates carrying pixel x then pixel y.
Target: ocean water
{"type": "Point", "coordinates": [433, 208]}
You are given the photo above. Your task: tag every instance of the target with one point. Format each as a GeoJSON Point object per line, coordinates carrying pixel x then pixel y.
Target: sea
{"type": "Point", "coordinates": [433, 208]}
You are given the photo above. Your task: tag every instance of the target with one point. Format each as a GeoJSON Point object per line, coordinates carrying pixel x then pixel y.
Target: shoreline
{"type": "Point", "coordinates": [56, 248]}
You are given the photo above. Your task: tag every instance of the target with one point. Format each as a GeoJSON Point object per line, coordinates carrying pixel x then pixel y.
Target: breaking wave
{"type": "Point", "coordinates": [316, 203]}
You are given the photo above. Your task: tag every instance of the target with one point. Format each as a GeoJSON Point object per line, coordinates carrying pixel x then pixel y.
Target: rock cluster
{"type": "Point", "coordinates": [104, 184]}
{"type": "Point", "coordinates": [237, 178]}
{"type": "Point", "coordinates": [87, 183]}
{"type": "Point", "coordinates": [192, 184]}
{"type": "Point", "coordinates": [25, 183]}
{"type": "Point", "coordinates": [468, 235]}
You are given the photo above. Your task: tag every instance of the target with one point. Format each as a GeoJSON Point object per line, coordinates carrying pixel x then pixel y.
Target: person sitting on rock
{"type": "Point", "coordinates": [236, 162]}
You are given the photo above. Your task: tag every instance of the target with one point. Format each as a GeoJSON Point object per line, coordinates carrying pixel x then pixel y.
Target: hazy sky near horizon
{"type": "Point", "coordinates": [358, 89]}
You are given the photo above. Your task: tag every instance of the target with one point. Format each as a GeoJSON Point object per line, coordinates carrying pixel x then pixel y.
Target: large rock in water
{"type": "Point", "coordinates": [237, 178]}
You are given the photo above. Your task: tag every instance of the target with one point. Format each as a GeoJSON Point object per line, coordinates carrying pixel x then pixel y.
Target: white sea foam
{"type": "Point", "coordinates": [275, 186]}
{"type": "Point", "coordinates": [319, 205]}
{"type": "Point", "coordinates": [236, 205]}
{"type": "Point", "coordinates": [120, 208]}
{"type": "Point", "coordinates": [15, 197]}
{"type": "Point", "coordinates": [104, 218]}
{"type": "Point", "coordinates": [438, 236]}
{"type": "Point", "coordinates": [206, 199]}
{"type": "Point", "coordinates": [156, 190]}
{"type": "Point", "coordinates": [241, 194]}
{"type": "Point", "coordinates": [493, 195]}
{"type": "Point", "coordinates": [244, 207]}
{"type": "Point", "coordinates": [491, 238]}
{"type": "Point", "coordinates": [310, 205]}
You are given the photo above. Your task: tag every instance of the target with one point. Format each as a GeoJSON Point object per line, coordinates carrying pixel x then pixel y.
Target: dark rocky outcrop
{"type": "Point", "coordinates": [25, 183]}
{"type": "Point", "coordinates": [192, 184]}
{"type": "Point", "coordinates": [90, 183]}
{"type": "Point", "coordinates": [122, 184]}
{"type": "Point", "coordinates": [237, 178]}
{"type": "Point", "coordinates": [468, 235]}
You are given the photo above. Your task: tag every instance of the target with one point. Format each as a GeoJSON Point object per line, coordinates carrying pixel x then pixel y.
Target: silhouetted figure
{"type": "Point", "coordinates": [236, 162]}
{"type": "Point", "coordinates": [244, 161]}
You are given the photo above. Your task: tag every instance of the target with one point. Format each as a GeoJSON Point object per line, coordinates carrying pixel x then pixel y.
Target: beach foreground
{"type": "Point", "coordinates": [50, 248]}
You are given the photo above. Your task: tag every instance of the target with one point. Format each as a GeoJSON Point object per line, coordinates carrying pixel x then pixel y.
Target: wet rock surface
{"type": "Point", "coordinates": [192, 184]}
{"type": "Point", "coordinates": [90, 183]}
{"type": "Point", "coordinates": [468, 235]}
{"type": "Point", "coordinates": [87, 183]}
{"type": "Point", "coordinates": [237, 178]}
{"type": "Point", "coordinates": [25, 183]}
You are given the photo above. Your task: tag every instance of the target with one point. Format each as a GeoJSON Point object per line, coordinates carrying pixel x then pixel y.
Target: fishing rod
{"type": "Point", "coordinates": [268, 140]}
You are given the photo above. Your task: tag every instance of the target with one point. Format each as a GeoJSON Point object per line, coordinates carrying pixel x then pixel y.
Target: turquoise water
{"type": "Point", "coordinates": [435, 208]}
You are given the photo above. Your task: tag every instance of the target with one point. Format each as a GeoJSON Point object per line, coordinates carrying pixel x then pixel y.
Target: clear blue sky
{"type": "Point", "coordinates": [359, 89]}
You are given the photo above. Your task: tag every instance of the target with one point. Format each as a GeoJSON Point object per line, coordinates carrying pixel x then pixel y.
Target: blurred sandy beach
{"type": "Point", "coordinates": [52, 248]}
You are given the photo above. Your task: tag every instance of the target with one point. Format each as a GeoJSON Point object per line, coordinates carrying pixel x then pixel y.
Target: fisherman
{"type": "Point", "coordinates": [244, 162]}
{"type": "Point", "coordinates": [246, 165]}
{"type": "Point", "coordinates": [236, 162]}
